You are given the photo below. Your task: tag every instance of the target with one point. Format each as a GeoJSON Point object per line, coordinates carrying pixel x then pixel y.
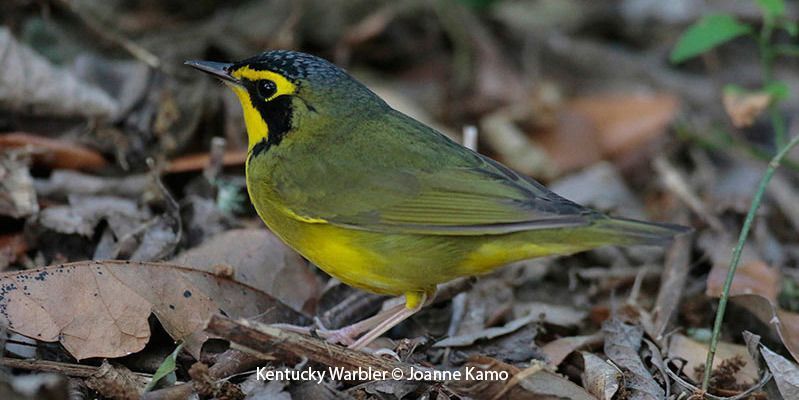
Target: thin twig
{"type": "Point", "coordinates": [106, 33]}
{"type": "Point", "coordinates": [74, 370]}
{"type": "Point", "coordinates": [736, 256]}
{"type": "Point", "coordinates": [256, 338]}
{"type": "Point", "coordinates": [677, 184]}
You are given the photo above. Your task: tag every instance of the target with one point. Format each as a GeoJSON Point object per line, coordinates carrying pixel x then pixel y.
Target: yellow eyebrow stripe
{"type": "Point", "coordinates": [284, 86]}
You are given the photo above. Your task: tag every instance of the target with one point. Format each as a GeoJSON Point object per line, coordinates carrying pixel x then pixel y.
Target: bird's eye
{"type": "Point", "coordinates": [266, 88]}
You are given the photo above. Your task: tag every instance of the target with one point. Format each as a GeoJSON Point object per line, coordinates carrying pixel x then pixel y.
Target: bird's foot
{"type": "Point", "coordinates": [305, 330]}
{"type": "Point", "coordinates": [344, 336]}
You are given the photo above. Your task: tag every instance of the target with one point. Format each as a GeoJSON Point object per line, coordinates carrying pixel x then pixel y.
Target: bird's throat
{"type": "Point", "coordinates": [257, 128]}
{"type": "Point", "coordinates": [266, 122]}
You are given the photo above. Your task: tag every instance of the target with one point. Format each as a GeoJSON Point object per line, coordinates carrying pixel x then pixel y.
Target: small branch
{"type": "Point", "coordinates": [672, 285]}
{"type": "Point", "coordinates": [74, 370]}
{"type": "Point", "coordinates": [736, 256]}
{"type": "Point", "coordinates": [110, 35]}
{"type": "Point", "coordinates": [229, 363]}
{"type": "Point", "coordinates": [677, 184]}
{"type": "Point", "coordinates": [264, 339]}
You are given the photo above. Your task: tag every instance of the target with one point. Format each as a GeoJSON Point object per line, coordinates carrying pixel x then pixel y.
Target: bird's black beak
{"type": "Point", "coordinates": [217, 69]}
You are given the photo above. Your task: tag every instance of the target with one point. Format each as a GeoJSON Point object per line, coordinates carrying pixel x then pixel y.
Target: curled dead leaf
{"type": "Point", "coordinates": [786, 373]}
{"type": "Point", "coordinates": [622, 342]}
{"type": "Point", "coordinates": [558, 349]}
{"type": "Point", "coordinates": [600, 377]}
{"type": "Point", "coordinates": [744, 108]}
{"type": "Point", "coordinates": [100, 308]}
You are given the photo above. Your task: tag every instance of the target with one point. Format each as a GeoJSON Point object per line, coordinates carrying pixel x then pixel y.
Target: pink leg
{"type": "Point", "coordinates": [345, 335]}
{"type": "Point", "coordinates": [376, 325]}
{"type": "Point", "coordinates": [388, 323]}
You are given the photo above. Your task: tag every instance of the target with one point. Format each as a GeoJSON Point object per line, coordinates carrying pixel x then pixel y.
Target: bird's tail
{"type": "Point", "coordinates": [629, 231]}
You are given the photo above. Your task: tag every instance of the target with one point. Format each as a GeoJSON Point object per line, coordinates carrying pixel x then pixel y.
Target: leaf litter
{"type": "Point", "coordinates": [103, 306]}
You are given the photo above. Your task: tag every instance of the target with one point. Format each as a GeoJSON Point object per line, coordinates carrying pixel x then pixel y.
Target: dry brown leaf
{"type": "Point", "coordinates": [54, 153]}
{"type": "Point", "coordinates": [532, 383]}
{"type": "Point", "coordinates": [626, 121]}
{"type": "Point", "coordinates": [100, 308]}
{"type": "Point", "coordinates": [259, 259]}
{"type": "Point", "coordinates": [754, 277]}
{"type": "Point", "coordinates": [744, 108]}
{"type": "Point", "coordinates": [786, 373]}
{"type": "Point", "coordinates": [785, 322]}
{"type": "Point", "coordinates": [695, 354]}
{"type": "Point", "coordinates": [558, 349]}
{"type": "Point", "coordinates": [622, 342]}
{"type": "Point", "coordinates": [572, 143]}
{"type": "Point", "coordinates": [755, 287]}
{"type": "Point", "coordinates": [606, 125]}
{"type": "Point", "coordinates": [600, 377]}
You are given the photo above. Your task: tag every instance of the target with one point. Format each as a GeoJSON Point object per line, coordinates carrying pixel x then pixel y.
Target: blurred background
{"type": "Point", "coordinates": [553, 86]}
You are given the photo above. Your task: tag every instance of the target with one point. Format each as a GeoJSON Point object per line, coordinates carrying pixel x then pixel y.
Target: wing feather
{"type": "Point", "coordinates": [433, 186]}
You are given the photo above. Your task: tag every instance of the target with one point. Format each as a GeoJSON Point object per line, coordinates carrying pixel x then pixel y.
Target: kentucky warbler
{"type": "Point", "coordinates": [385, 203]}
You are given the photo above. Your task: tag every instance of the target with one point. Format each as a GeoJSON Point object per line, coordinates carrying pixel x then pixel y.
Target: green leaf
{"type": "Point", "coordinates": [772, 9]}
{"type": "Point", "coordinates": [791, 27]}
{"type": "Point", "coordinates": [167, 367]}
{"type": "Point", "coordinates": [706, 34]}
{"type": "Point", "coordinates": [778, 90]}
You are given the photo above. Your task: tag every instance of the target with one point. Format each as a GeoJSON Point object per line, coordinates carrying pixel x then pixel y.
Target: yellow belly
{"type": "Point", "coordinates": [342, 253]}
{"type": "Point", "coordinates": [396, 264]}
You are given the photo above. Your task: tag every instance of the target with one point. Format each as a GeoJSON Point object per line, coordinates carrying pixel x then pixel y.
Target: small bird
{"type": "Point", "coordinates": [385, 203]}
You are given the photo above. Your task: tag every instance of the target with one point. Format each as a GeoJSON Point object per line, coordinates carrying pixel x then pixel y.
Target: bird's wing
{"type": "Point", "coordinates": [426, 185]}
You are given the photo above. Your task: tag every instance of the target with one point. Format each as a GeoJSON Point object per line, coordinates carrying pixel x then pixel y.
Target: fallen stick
{"type": "Point", "coordinates": [260, 339]}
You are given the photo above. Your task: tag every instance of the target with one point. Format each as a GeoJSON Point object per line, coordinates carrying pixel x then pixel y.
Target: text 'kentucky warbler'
{"type": "Point", "coordinates": [385, 203]}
